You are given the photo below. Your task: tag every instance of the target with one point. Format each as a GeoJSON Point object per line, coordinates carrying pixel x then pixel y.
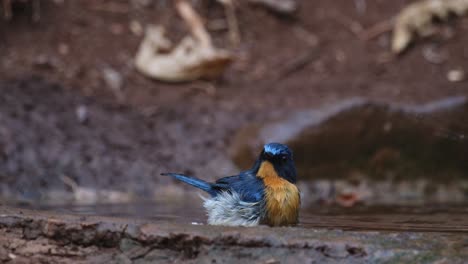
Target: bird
{"type": "Point", "coordinates": [265, 194]}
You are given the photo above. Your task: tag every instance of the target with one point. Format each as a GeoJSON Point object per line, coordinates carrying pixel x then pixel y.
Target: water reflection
{"type": "Point", "coordinates": [430, 218]}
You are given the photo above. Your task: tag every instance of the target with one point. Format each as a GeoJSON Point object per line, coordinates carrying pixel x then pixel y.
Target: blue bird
{"type": "Point", "coordinates": [265, 194]}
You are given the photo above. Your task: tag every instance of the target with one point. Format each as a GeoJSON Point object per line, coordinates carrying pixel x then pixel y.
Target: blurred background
{"type": "Point", "coordinates": [99, 97]}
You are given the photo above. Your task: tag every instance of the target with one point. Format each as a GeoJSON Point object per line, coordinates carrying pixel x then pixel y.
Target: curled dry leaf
{"type": "Point", "coordinates": [193, 58]}
{"type": "Point", "coordinates": [417, 18]}
{"type": "Point", "coordinates": [189, 60]}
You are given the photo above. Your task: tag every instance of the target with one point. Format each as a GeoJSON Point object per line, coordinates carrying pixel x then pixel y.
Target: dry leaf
{"type": "Point", "coordinates": [417, 18]}
{"type": "Point", "coordinates": [193, 58]}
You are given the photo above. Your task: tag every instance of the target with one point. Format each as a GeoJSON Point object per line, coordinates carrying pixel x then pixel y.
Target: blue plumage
{"type": "Point", "coordinates": [246, 184]}
{"type": "Point", "coordinates": [200, 184]}
{"type": "Point", "coordinates": [277, 149]}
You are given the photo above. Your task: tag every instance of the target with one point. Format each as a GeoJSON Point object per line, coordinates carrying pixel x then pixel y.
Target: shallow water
{"type": "Point", "coordinates": [430, 218]}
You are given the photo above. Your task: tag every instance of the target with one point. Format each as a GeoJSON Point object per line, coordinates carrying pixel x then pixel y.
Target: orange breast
{"type": "Point", "coordinates": [281, 197]}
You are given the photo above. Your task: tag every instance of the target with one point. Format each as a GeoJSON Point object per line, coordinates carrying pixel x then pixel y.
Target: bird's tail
{"type": "Point", "coordinates": [200, 184]}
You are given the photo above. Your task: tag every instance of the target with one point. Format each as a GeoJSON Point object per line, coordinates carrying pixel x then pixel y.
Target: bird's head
{"type": "Point", "coordinates": [278, 157]}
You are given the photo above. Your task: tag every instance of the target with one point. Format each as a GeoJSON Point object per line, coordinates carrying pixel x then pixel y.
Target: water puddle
{"type": "Point", "coordinates": [434, 218]}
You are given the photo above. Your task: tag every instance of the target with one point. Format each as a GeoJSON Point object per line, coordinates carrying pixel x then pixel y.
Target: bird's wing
{"type": "Point", "coordinates": [225, 183]}
{"type": "Point", "coordinates": [249, 187]}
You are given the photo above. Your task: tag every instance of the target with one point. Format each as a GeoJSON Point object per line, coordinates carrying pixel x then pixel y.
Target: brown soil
{"type": "Point", "coordinates": [315, 57]}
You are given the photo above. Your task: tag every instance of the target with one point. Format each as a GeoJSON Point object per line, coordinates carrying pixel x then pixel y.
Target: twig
{"type": "Point", "coordinates": [296, 64]}
{"type": "Point", "coordinates": [352, 25]}
{"type": "Point", "coordinates": [308, 37]}
{"type": "Point", "coordinates": [233, 25]}
{"type": "Point", "coordinates": [378, 29]}
{"type": "Point", "coordinates": [194, 21]}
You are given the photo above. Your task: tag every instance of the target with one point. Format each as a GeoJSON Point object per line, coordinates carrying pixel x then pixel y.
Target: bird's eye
{"type": "Point", "coordinates": [284, 157]}
{"type": "Point", "coordinates": [267, 155]}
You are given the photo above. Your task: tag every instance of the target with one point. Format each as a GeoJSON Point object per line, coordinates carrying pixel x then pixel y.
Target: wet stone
{"type": "Point", "coordinates": [133, 249]}
{"type": "Point", "coordinates": [32, 229]}
{"type": "Point", "coordinates": [128, 244]}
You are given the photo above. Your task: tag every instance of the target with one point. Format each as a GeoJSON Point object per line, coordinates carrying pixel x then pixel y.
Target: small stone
{"type": "Point", "coordinates": [82, 113]}
{"type": "Point", "coordinates": [45, 62]}
{"type": "Point", "coordinates": [112, 78]}
{"type": "Point", "coordinates": [434, 55]}
{"type": "Point", "coordinates": [337, 250]}
{"type": "Point", "coordinates": [136, 28]}
{"type": "Point", "coordinates": [456, 75]}
{"type": "Point", "coordinates": [32, 232]}
{"type": "Point", "coordinates": [63, 49]}
{"type": "Point", "coordinates": [387, 127]}
{"type": "Point", "coordinates": [128, 244]}
{"type": "Point", "coordinates": [272, 261]}
{"type": "Point", "coordinates": [116, 29]}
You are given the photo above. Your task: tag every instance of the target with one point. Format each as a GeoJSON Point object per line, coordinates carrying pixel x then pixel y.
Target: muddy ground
{"type": "Point", "coordinates": [61, 118]}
